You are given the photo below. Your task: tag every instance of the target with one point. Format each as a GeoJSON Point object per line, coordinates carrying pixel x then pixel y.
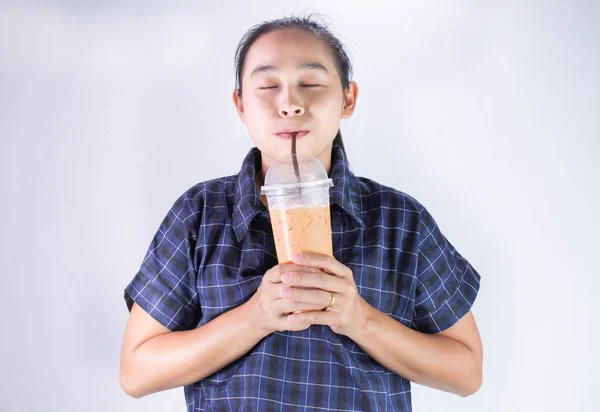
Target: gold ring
{"type": "Point", "coordinates": [332, 302]}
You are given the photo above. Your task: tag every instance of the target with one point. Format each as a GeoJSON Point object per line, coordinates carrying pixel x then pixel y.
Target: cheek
{"type": "Point", "coordinates": [256, 119]}
{"type": "Point", "coordinates": [327, 108]}
{"type": "Point", "coordinates": [258, 107]}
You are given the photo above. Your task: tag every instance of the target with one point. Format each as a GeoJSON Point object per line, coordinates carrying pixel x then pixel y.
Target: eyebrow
{"type": "Point", "coordinates": [303, 66]}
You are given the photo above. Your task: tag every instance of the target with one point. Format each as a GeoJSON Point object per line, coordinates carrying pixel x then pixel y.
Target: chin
{"type": "Point", "coordinates": [277, 147]}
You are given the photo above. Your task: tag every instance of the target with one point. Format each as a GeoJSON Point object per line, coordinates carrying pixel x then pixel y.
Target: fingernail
{"type": "Point", "coordinates": [286, 277]}
{"type": "Point", "coordinates": [287, 292]}
{"type": "Point", "coordinates": [297, 257]}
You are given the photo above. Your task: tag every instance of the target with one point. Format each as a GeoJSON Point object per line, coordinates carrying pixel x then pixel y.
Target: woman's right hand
{"type": "Point", "coordinates": [268, 308]}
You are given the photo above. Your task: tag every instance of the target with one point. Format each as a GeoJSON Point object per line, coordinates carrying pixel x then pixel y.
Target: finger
{"type": "Point", "coordinates": [313, 318]}
{"type": "Point", "coordinates": [326, 262]}
{"type": "Point", "coordinates": [286, 307]}
{"type": "Point", "coordinates": [317, 280]}
{"type": "Point", "coordinates": [274, 274]}
{"type": "Point", "coordinates": [318, 297]}
{"type": "Point", "coordinates": [296, 307]}
{"type": "Point", "coordinates": [286, 325]}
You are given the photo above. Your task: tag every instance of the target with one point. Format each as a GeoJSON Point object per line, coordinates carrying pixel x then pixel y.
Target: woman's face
{"type": "Point", "coordinates": [290, 82]}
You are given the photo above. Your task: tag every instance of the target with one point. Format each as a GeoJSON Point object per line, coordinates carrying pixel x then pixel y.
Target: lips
{"type": "Point", "coordinates": [288, 135]}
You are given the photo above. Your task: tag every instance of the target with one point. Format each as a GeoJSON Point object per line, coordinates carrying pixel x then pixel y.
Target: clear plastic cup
{"type": "Point", "coordinates": [300, 214]}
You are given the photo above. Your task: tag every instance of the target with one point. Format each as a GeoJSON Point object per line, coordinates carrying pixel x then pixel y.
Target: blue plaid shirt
{"type": "Point", "coordinates": [215, 244]}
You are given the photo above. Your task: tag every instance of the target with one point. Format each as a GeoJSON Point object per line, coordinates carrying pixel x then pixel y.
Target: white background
{"type": "Point", "coordinates": [487, 114]}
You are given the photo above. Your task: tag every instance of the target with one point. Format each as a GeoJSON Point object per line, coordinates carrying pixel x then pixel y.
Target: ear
{"type": "Point", "coordinates": [350, 97]}
{"type": "Point", "coordinates": [237, 102]}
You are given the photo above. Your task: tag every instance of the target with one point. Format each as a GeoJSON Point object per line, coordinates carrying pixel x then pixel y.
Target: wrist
{"type": "Point", "coordinates": [252, 320]}
{"type": "Point", "coordinates": [365, 325]}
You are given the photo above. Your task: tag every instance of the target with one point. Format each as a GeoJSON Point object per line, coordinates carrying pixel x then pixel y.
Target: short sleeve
{"type": "Point", "coordinates": [447, 284]}
{"type": "Point", "coordinates": [165, 285]}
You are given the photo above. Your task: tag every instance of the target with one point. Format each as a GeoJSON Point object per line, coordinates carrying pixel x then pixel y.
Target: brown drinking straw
{"type": "Point", "coordinates": [295, 158]}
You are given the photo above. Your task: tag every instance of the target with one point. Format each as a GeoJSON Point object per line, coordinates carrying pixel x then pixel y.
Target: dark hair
{"type": "Point", "coordinates": [309, 24]}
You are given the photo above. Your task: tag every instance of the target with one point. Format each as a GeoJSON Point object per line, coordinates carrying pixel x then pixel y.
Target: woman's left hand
{"type": "Point", "coordinates": [332, 282]}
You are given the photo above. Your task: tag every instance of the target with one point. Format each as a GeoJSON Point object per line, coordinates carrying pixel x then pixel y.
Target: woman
{"type": "Point", "coordinates": [212, 310]}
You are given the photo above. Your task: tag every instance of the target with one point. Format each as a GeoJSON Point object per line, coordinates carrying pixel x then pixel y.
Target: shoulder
{"type": "Point", "coordinates": [216, 192]}
{"type": "Point", "coordinates": [375, 196]}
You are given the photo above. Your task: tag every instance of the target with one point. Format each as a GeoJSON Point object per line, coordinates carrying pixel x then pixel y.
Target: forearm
{"type": "Point", "coordinates": [180, 358]}
{"type": "Point", "coordinates": [431, 360]}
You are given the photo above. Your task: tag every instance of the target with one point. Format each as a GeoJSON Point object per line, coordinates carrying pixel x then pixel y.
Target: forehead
{"type": "Point", "coordinates": [287, 48]}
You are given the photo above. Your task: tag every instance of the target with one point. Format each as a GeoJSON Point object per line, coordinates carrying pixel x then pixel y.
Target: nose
{"type": "Point", "coordinates": [292, 111]}
{"type": "Point", "coordinates": [290, 107]}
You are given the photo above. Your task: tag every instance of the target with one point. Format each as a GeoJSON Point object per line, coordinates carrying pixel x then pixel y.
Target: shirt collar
{"type": "Point", "coordinates": [344, 192]}
{"type": "Point", "coordinates": [247, 204]}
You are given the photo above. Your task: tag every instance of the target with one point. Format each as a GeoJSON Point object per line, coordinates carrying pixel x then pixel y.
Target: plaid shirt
{"type": "Point", "coordinates": [215, 244]}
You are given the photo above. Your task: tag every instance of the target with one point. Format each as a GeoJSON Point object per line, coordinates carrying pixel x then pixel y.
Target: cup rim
{"type": "Point", "coordinates": [277, 189]}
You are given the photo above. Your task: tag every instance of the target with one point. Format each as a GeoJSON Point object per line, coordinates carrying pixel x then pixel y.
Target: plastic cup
{"type": "Point", "coordinates": [300, 213]}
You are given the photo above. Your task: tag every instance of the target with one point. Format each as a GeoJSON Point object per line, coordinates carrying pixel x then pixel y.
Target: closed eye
{"type": "Point", "coordinates": [274, 87]}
